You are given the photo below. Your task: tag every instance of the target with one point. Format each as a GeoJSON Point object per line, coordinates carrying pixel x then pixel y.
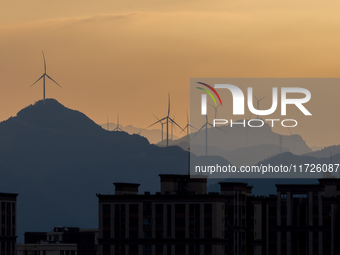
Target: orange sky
{"type": "Point", "coordinates": [125, 56]}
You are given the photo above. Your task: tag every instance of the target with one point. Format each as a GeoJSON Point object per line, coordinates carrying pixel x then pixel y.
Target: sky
{"type": "Point", "coordinates": [125, 57]}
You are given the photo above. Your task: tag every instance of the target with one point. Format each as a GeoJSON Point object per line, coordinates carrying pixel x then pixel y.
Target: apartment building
{"type": "Point", "coordinates": [8, 222]}
{"type": "Point", "coordinates": [307, 219]}
{"type": "Point", "coordinates": [184, 219]}
{"type": "Point", "coordinates": [60, 241]}
{"type": "Point", "coordinates": [180, 219]}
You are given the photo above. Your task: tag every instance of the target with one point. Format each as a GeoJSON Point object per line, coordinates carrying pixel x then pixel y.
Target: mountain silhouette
{"type": "Point", "coordinates": [153, 135]}
{"type": "Point", "coordinates": [237, 142]}
{"type": "Point", "coordinates": [325, 152]}
{"type": "Point", "coordinates": [57, 159]}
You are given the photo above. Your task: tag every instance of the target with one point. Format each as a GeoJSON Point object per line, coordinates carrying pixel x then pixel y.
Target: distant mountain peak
{"type": "Point", "coordinates": [53, 115]}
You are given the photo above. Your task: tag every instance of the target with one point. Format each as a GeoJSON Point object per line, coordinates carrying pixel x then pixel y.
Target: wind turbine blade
{"type": "Point", "coordinates": [192, 126]}
{"type": "Point", "coordinates": [255, 98]}
{"type": "Point", "coordinates": [175, 123]}
{"type": "Point", "coordinates": [169, 104]}
{"type": "Point", "coordinates": [184, 128]}
{"type": "Point", "coordinates": [155, 117]}
{"type": "Point", "coordinates": [44, 62]}
{"type": "Point", "coordinates": [38, 80]}
{"type": "Point", "coordinates": [198, 131]}
{"type": "Point", "coordinates": [53, 80]}
{"type": "Point", "coordinates": [290, 131]}
{"type": "Point", "coordinates": [262, 98]}
{"type": "Point", "coordinates": [218, 128]}
{"type": "Point", "coordinates": [251, 131]}
{"type": "Point", "coordinates": [187, 117]}
{"type": "Point", "coordinates": [157, 122]}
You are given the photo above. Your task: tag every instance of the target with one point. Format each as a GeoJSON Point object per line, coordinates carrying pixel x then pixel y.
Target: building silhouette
{"type": "Point", "coordinates": [61, 241]}
{"type": "Point", "coordinates": [181, 219]}
{"type": "Point", "coordinates": [8, 223]}
{"type": "Point", "coordinates": [184, 219]}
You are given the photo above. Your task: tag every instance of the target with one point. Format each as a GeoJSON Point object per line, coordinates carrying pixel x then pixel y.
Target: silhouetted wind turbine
{"type": "Point", "coordinates": [162, 129]}
{"type": "Point", "coordinates": [43, 76]}
{"type": "Point", "coordinates": [187, 127]}
{"type": "Point", "coordinates": [206, 133]}
{"type": "Point", "coordinates": [172, 128]}
{"type": "Point", "coordinates": [215, 107]}
{"type": "Point", "coordinates": [168, 119]}
{"type": "Point", "coordinates": [258, 104]}
{"type": "Point", "coordinates": [107, 123]}
{"type": "Point", "coordinates": [247, 127]}
{"type": "Point", "coordinates": [118, 128]}
{"type": "Point", "coordinates": [293, 140]}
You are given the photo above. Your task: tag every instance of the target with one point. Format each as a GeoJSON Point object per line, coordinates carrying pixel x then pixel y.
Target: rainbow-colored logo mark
{"type": "Point", "coordinates": [209, 93]}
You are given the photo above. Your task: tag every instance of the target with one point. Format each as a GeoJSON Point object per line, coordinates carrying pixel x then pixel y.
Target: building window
{"type": "Point", "coordinates": [207, 208]}
{"type": "Point", "coordinates": [133, 222]}
{"type": "Point", "coordinates": [147, 234]}
{"type": "Point", "coordinates": [147, 207]}
{"type": "Point", "coordinates": [133, 208]}
{"type": "Point", "coordinates": [208, 248]}
{"type": "Point", "coordinates": [133, 248]}
{"type": "Point", "coordinates": [159, 208]}
{"type": "Point", "coordinates": [159, 221]}
{"type": "Point", "coordinates": [159, 234]}
{"type": "Point", "coordinates": [179, 248]}
{"type": "Point", "coordinates": [207, 234]}
{"type": "Point", "coordinates": [147, 249]}
{"type": "Point", "coordinates": [106, 234]}
{"type": "Point", "coordinates": [300, 196]}
{"type": "Point", "coordinates": [208, 222]}
{"type": "Point", "coordinates": [107, 222]}
{"type": "Point", "coordinates": [159, 248]}
{"type": "Point", "coordinates": [147, 222]}
{"type": "Point", "coordinates": [179, 234]}
{"type": "Point", "coordinates": [106, 208]}
{"type": "Point", "coordinates": [179, 222]}
{"type": "Point", "coordinates": [283, 197]}
{"type": "Point", "coordinates": [133, 234]}
{"type": "Point", "coordinates": [180, 208]}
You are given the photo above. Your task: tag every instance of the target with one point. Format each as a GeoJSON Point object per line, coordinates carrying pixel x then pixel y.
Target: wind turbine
{"type": "Point", "coordinates": [247, 127]}
{"type": "Point", "coordinates": [187, 127]}
{"type": "Point", "coordinates": [293, 140]}
{"type": "Point", "coordinates": [168, 119]}
{"type": "Point", "coordinates": [215, 107]}
{"type": "Point", "coordinates": [107, 123]}
{"type": "Point", "coordinates": [118, 128]}
{"type": "Point", "coordinates": [206, 133]}
{"type": "Point", "coordinates": [172, 128]}
{"type": "Point", "coordinates": [44, 77]}
{"type": "Point", "coordinates": [162, 129]}
{"type": "Point", "coordinates": [258, 104]}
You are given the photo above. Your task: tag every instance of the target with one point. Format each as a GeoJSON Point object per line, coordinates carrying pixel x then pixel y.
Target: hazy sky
{"type": "Point", "coordinates": [125, 56]}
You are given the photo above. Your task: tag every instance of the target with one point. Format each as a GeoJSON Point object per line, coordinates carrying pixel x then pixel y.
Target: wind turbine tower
{"type": "Point", "coordinates": [162, 129]}
{"type": "Point", "coordinates": [187, 128]}
{"type": "Point", "coordinates": [258, 104]}
{"type": "Point", "coordinates": [167, 119]}
{"type": "Point", "coordinates": [205, 125]}
{"type": "Point", "coordinates": [118, 128]}
{"type": "Point", "coordinates": [215, 107]}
